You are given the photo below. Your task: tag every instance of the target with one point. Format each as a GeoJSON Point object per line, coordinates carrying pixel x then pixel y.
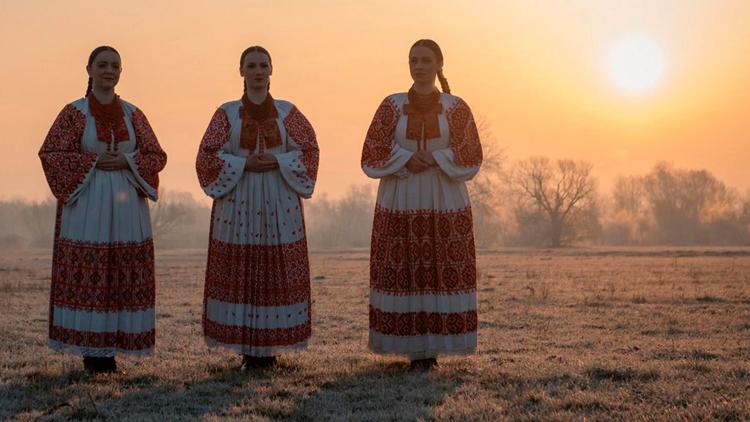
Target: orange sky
{"type": "Point", "coordinates": [536, 70]}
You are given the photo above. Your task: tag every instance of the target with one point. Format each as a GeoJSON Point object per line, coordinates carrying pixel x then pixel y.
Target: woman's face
{"type": "Point", "coordinates": [105, 70]}
{"type": "Point", "coordinates": [256, 69]}
{"type": "Point", "coordinates": [423, 65]}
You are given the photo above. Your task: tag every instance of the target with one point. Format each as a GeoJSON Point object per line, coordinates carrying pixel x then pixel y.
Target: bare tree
{"type": "Point", "coordinates": [744, 218]}
{"type": "Point", "coordinates": [557, 191]}
{"type": "Point", "coordinates": [173, 209]}
{"type": "Point", "coordinates": [488, 188]}
{"type": "Point", "coordinates": [342, 223]}
{"type": "Point", "coordinates": [39, 221]}
{"type": "Point", "coordinates": [630, 214]}
{"type": "Point", "coordinates": [687, 203]}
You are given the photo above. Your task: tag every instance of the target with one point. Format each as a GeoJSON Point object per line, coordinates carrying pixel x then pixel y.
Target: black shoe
{"type": "Point", "coordinates": [423, 365]}
{"type": "Point", "coordinates": [269, 362]}
{"type": "Point", "coordinates": [109, 365]}
{"type": "Point", "coordinates": [90, 364]}
{"type": "Point", "coordinates": [251, 362]}
{"type": "Point", "coordinates": [99, 365]}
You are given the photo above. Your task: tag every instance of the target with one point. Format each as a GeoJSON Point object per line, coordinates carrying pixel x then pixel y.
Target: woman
{"type": "Point", "coordinates": [102, 161]}
{"type": "Point", "coordinates": [423, 145]}
{"type": "Point", "coordinates": [257, 158]}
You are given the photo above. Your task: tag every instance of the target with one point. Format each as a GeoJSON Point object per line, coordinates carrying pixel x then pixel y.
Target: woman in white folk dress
{"type": "Point", "coordinates": [423, 145]}
{"type": "Point", "coordinates": [257, 160]}
{"type": "Point", "coordinates": [102, 160]}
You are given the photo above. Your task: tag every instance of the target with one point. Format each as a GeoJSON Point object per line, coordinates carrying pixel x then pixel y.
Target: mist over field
{"type": "Point", "coordinates": [536, 202]}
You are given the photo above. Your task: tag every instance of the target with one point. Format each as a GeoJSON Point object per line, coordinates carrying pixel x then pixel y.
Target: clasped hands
{"type": "Point", "coordinates": [111, 161]}
{"type": "Point", "coordinates": [259, 163]}
{"type": "Point", "coordinates": [420, 161]}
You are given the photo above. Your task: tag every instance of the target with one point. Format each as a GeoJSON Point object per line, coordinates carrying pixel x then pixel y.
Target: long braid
{"type": "Point", "coordinates": [443, 82]}
{"type": "Point", "coordinates": [88, 88]}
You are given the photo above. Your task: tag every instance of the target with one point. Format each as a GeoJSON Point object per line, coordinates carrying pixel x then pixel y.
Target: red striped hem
{"type": "Point", "coordinates": [117, 339]}
{"type": "Point", "coordinates": [420, 323]}
{"type": "Point", "coordinates": [423, 292]}
{"type": "Point", "coordinates": [256, 337]}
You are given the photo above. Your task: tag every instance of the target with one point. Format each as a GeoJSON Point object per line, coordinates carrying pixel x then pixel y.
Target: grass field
{"type": "Point", "coordinates": [572, 334]}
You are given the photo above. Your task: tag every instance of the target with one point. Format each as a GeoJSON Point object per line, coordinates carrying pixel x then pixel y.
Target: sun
{"type": "Point", "coordinates": [636, 64]}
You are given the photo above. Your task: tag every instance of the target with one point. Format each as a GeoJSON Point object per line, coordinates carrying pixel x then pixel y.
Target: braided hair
{"type": "Point", "coordinates": [435, 48]}
{"type": "Point", "coordinates": [256, 49]}
{"type": "Point", "coordinates": [92, 57]}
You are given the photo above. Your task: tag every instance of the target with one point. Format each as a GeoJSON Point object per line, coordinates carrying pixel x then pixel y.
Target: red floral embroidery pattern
{"type": "Point", "coordinates": [421, 323]}
{"type": "Point", "coordinates": [424, 251]}
{"type": "Point", "coordinates": [149, 157]}
{"type": "Point", "coordinates": [208, 164]}
{"type": "Point", "coordinates": [299, 128]}
{"type": "Point", "coordinates": [65, 166]}
{"type": "Point", "coordinates": [109, 120]}
{"type": "Point", "coordinates": [118, 339]}
{"type": "Point", "coordinates": [262, 275]}
{"type": "Point", "coordinates": [377, 147]}
{"type": "Point", "coordinates": [257, 337]}
{"type": "Point", "coordinates": [103, 277]}
{"type": "Point", "coordinates": [464, 136]}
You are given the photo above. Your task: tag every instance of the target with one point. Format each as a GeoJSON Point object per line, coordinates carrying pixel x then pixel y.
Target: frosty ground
{"type": "Point", "coordinates": [600, 334]}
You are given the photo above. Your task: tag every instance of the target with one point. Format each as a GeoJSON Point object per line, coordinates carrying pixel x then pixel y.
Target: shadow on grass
{"type": "Point", "coordinates": [379, 391]}
{"type": "Point", "coordinates": [74, 394]}
{"type": "Point", "coordinates": [45, 394]}
{"type": "Point", "coordinates": [382, 391]}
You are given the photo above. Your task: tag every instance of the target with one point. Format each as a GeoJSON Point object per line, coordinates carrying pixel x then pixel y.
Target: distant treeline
{"type": "Point", "coordinates": [534, 202]}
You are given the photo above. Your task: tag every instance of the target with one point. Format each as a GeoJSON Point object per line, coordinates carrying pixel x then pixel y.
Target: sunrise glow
{"type": "Point", "coordinates": [636, 64]}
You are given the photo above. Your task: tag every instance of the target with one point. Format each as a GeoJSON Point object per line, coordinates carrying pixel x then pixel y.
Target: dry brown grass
{"type": "Point", "coordinates": [633, 334]}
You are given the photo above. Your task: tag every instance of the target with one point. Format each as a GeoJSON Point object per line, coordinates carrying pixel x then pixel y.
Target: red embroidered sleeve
{"type": "Point", "coordinates": [377, 147]}
{"type": "Point", "coordinates": [208, 164]}
{"type": "Point", "coordinates": [149, 157]}
{"type": "Point", "coordinates": [65, 165]}
{"type": "Point", "coordinates": [464, 137]}
{"type": "Point", "coordinates": [301, 131]}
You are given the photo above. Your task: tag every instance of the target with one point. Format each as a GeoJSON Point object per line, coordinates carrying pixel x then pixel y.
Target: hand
{"type": "Point", "coordinates": [111, 161]}
{"type": "Point", "coordinates": [416, 164]}
{"type": "Point", "coordinates": [427, 157]}
{"type": "Point", "coordinates": [261, 163]}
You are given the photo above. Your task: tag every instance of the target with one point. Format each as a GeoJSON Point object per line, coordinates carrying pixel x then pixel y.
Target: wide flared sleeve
{"type": "Point", "coordinates": [148, 159]}
{"type": "Point", "coordinates": [66, 167]}
{"type": "Point", "coordinates": [299, 165]}
{"type": "Point", "coordinates": [462, 160]}
{"type": "Point", "coordinates": [218, 170]}
{"type": "Point", "coordinates": [381, 155]}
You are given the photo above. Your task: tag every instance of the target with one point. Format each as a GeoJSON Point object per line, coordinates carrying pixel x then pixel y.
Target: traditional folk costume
{"type": "Point", "coordinates": [102, 295]}
{"type": "Point", "coordinates": [423, 264]}
{"type": "Point", "coordinates": [257, 294]}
